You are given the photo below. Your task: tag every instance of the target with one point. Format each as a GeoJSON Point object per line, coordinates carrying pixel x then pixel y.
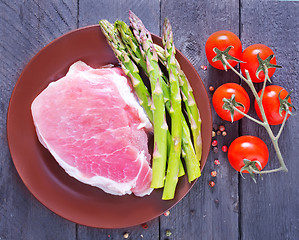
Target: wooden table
{"type": "Point", "coordinates": [235, 208]}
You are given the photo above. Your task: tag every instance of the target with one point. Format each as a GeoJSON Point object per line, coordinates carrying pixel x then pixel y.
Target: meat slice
{"type": "Point", "coordinates": [92, 124]}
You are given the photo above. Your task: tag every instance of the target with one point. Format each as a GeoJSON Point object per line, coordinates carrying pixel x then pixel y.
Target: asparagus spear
{"type": "Point", "coordinates": [127, 64]}
{"type": "Point", "coordinates": [175, 113]}
{"type": "Point", "coordinates": [138, 55]}
{"type": "Point", "coordinates": [155, 76]}
{"type": "Point", "coordinates": [190, 104]}
{"type": "Point", "coordinates": [135, 51]}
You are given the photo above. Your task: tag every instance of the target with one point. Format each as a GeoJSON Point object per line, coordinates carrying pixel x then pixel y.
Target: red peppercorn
{"type": "Point", "coordinates": [217, 162]}
{"type": "Point", "coordinates": [221, 128]}
{"type": "Point", "coordinates": [203, 67]}
{"type": "Point", "coordinates": [224, 148]}
{"type": "Point", "coordinates": [211, 88]}
{"type": "Point", "coordinates": [224, 133]}
{"type": "Point", "coordinates": [218, 132]}
{"type": "Point", "coordinates": [144, 225]}
{"type": "Point", "coordinates": [214, 143]}
{"type": "Point", "coordinates": [213, 173]}
{"type": "Point", "coordinates": [211, 183]}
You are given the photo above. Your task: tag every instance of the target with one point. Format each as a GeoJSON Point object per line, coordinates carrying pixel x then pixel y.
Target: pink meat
{"type": "Point", "coordinates": [92, 124]}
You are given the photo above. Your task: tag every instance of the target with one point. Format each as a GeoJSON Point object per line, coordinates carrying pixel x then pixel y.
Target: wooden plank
{"type": "Point", "coordinates": [90, 12]}
{"type": "Point", "coordinates": [270, 208]}
{"type": "Point", "coordinates": [25, 27]}
{"type": "Point", "coordinates": [205, 213]}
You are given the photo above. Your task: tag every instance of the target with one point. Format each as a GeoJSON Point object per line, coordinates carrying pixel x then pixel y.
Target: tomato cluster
{"type": "Point", "coordinates": [225, 44]}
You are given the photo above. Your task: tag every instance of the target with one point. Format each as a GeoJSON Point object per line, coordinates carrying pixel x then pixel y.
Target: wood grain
{"type": "Point", "coordinates": [90, 12]}
{"type": "Point", "coordinates": [26, 27]}
{"type": "Point", "coordinates": [205, 213]}
{"type": "Point", "coordinates": [235, 208]}
{"type": "Point", "coordinates": [270, 208]}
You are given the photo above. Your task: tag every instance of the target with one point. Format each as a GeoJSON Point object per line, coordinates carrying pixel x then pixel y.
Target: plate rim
{"type": "Point", "coordinates": [9, 110]}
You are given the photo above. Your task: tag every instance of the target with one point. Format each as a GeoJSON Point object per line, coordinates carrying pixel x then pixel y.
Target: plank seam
{"type": "Point", "coordinates": [239, 134]}
{"type": "Point", "coordinates": [78, 14]}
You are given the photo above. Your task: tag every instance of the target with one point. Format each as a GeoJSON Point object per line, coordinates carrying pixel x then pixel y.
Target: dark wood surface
{"type": "Point", "coordinates": [235, 208]}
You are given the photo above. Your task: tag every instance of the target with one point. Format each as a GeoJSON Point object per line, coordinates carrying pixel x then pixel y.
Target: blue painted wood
{"type": "Point", "coordinates": [234, 208]}
{"type": "Point", "coordinates": [206, 213]}
{"type": "Point", "coordinates": [270, 208]}
{"type": "Point", "coordinates": [26, 27]}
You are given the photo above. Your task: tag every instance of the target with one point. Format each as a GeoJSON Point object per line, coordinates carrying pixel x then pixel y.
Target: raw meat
{"type": "Point", "coordinates": [92, 124]}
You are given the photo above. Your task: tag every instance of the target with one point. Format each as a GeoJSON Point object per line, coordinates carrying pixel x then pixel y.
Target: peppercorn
{"type": "Point", "coordinates": [167, 213]}
{"type": "Point", "coordinates": [168, 233]}
{"type": "Point", "coordinates": [126, 235]}
{"type": "Point", "coordinates": [224, 148]}
{"type": "Point", "coordinates": [211, 183]}
{"type": "Point", "coordinates": [144, 225]}
{"type": "Point", "coordinates": [213, 134]}
{"type": "Point", "coordinates": [215, 149]}
{"type": "Point", "coordinates": [218, 132]}
{"type": "Point", "coordinates": [217, 162]}
{"type": "Point", "coordinates": [213, 173]}
{"type": "Point", "coordinates": [214, 143]}
{"type": "Point", "coordinates": [211, 88]}
{"type": "Point", "coordinates": [224, 133]}
{"type": "Point", "coordinates": [203, 67]}
{"type": "Point", "coordinates": [221, 128]}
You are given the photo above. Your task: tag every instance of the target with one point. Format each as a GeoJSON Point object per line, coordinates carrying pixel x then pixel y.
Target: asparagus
{"type": "Point", "coordinates": [155, 76]}
{"type": "Point", "coordinates": [137, 54]}
{"type": "Point", "coordinates": [121, 51]}
{"type": "Point", "coordinates": [190, 104]}
{"type": "Point", "coordinates": [131, 70]}
{"type": "Point", "coordinates": [175, 113]}
{"type": "Point", "coordinates": [128, 65]}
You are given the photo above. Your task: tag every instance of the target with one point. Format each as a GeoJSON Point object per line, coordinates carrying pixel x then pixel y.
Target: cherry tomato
{"type": "Point", "coordinates": [226, 91]}
{"type": "Point", "coordinates": [247, 147]}
{"type": "Point", "coordinates": [249, 56]}
{"type": "Point", "coordinates": [222, 40]}
{"type": "Point", "coordinates": [271, 104]}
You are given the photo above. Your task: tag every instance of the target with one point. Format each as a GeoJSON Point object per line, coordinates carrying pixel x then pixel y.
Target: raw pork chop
{"type": "Point", "coordinates": [92, 124]}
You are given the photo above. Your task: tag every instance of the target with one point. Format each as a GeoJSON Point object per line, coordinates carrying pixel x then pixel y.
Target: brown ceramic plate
{"type": "Point", "coordinates": [46, 180]}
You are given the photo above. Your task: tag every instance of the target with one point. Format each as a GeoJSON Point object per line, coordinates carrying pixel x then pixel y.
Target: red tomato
{"type": "Point", "coordinates": [249, 56]}
{"type": "Point", "coordinates": [222, 40]}
{"type": "Point", "coordinates": [247, 147]}
{"type": "Point", "coordinates": [226, 91]}
{"type": "Point", "coordinates": [271, 104]}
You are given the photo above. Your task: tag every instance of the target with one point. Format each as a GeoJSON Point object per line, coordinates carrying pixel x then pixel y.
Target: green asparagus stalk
{"type": "Point", "coordinates": [131, 70]}
{"type": "Point", "coordinates": [128, 65]}
{"type": "Point", "coordinates": [132, 46]}
{"type": "Point", "coordinates": [175, 113]}
{"type": "Point", "coordinates": [137, 54]}
{"type": "Point", "coordinates": [155, 76]}
{"type": "Point", "coordinates": [190, 104]}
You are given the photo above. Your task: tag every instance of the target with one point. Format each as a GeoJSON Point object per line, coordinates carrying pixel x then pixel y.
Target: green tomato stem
{"type": "Point", "coordinates": [265, 123]}
{"type": "Point", "coordinates": [249, 117]}
{"type": "Point", "coordinates": [266, 171]}
{"type": "Point", "coordinates": [282, 126]}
